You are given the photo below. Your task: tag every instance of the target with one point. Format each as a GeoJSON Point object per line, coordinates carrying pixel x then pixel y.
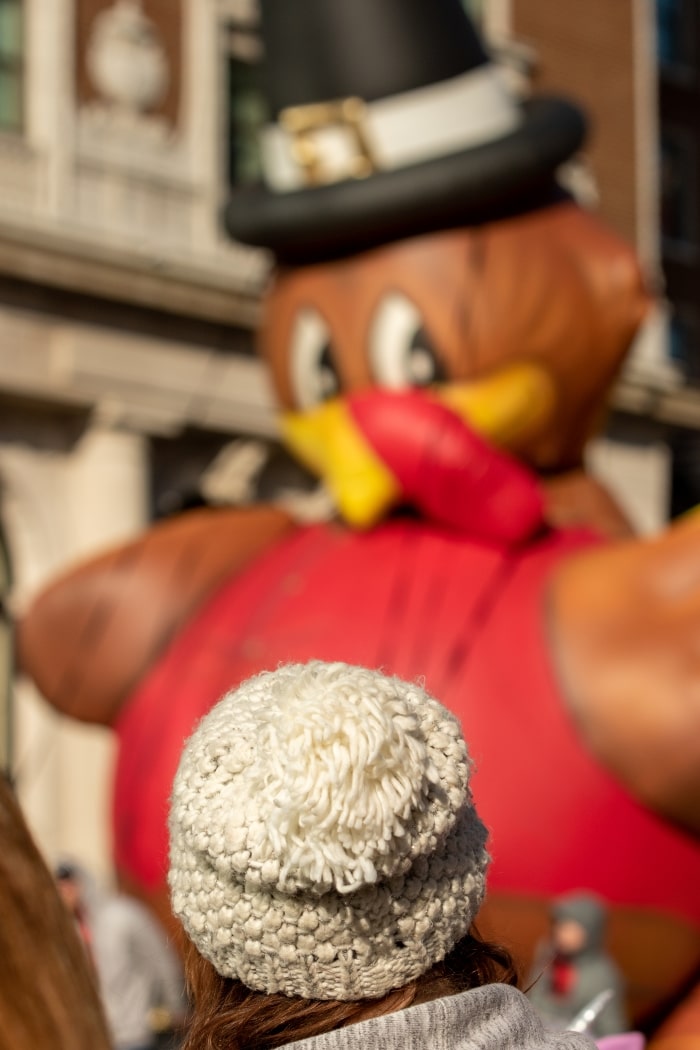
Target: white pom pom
{"type": "Point", "coordinates": [348, 767]}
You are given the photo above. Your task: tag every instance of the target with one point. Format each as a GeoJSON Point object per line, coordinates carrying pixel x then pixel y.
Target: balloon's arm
{"type": "Point", "coordinates": [625, 627]}
{"type": "Point", "coordinates": [89, 636]}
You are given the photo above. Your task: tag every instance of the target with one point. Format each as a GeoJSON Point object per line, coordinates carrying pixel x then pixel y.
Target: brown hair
{"type": "Point", "coordinates": [229, 1016]}
{"type": "Point", "coordinates": [48, 994]}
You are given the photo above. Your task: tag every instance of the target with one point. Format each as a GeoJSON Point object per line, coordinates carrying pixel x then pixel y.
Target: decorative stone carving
{"type": "Point", "coordinates": [126, 59]}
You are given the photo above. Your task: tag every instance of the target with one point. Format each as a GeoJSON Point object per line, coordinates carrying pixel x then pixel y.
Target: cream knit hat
{"type": "Point", "coordinates": [323, 840]}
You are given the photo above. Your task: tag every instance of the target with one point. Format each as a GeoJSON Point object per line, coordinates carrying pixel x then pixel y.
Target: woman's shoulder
{"type": "Point", "coordinates": [493, 1017]}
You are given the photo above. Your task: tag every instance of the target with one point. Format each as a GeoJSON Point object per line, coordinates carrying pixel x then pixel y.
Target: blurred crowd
{"type": "Point", "coordinates": [139, 975]}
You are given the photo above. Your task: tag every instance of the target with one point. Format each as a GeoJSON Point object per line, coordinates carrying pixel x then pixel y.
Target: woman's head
{"type": "Point", "coordinates": [324, 843]}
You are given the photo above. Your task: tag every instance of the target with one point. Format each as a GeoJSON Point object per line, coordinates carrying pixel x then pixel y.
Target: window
{"type": "Point", "coordinates": [685, 471]}
{"type": "Point", "coordinates": [11, 66]}
{"type": "Point", "coordinates": [684, 348]}
{"type": "Point", "coordinates": [247, 109]}
{"type": "Point", "coordinates": [679, 177]}
{"type": "Point", "coordinates": [475, 10]}
{"type": "Point", "coordinates": [676, 32]}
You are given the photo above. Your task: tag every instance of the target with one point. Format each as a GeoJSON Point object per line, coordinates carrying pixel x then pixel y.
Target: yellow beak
{"type": "Point", "coordinates": [506, 407]}
{"type": "Point", "coordinates": [328, 442]}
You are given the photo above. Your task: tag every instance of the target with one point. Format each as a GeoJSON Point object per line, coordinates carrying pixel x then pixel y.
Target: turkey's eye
{"type": "Point", "coordinates": [401, 352]}
{"type": "Point", "coordinates": [313, 374]}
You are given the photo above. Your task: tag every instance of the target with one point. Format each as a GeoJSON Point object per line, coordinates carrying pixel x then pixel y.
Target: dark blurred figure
{"type": "Point", "coordinates": [70, 886]}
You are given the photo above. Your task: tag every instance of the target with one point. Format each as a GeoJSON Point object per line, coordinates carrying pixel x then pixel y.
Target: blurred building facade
{"type": "Point", "coordinates": [127, 317]}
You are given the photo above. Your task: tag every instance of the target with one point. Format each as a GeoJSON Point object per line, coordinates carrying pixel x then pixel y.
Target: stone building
{"type": "Point", "coordinates": [127, 317]}
{"type": "Point", "coordinates": [125, 314]}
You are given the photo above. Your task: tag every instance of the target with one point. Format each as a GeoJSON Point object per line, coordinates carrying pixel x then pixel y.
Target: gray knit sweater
{"type": "Point", "coordinates": [495, 1017]}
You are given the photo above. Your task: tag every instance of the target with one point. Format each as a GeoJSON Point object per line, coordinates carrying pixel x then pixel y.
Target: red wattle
{"type": "Point", "coordinates": [445, 469]}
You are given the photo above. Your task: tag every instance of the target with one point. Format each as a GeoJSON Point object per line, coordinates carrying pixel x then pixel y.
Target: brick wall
{"type": "Point", "coordinates": [586, 51]}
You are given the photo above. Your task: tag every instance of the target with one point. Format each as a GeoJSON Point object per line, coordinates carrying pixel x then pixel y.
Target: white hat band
{"type": "Point", "coordinates": [328, 142]}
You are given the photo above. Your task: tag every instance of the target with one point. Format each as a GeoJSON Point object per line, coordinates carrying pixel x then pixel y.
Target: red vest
{"type": "Point", "coordinates": [470, 620]}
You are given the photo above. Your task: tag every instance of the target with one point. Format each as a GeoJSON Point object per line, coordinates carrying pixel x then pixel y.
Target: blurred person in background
{"type": "Point", "coordinates": [572, 967]}
{"type": "Point", "coordinates": [140, 975]}
{"type": "Point", "coordinates": [139, 972]}
{"type": "Point", "coordinates": [70, 880]}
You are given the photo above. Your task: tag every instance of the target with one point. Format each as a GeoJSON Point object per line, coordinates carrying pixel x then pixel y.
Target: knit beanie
{"type": "Point", "coordinates": [323, 839]}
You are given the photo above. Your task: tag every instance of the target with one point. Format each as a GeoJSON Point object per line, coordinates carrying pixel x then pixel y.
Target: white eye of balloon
{"type": "Point", "coordinates": [400, 350]}
{"type": "Point", "coordinates": [313, 374]}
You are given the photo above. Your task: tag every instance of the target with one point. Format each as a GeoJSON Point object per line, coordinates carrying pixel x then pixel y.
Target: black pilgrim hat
{"type": "Point", "coordinates": [389, 119]}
